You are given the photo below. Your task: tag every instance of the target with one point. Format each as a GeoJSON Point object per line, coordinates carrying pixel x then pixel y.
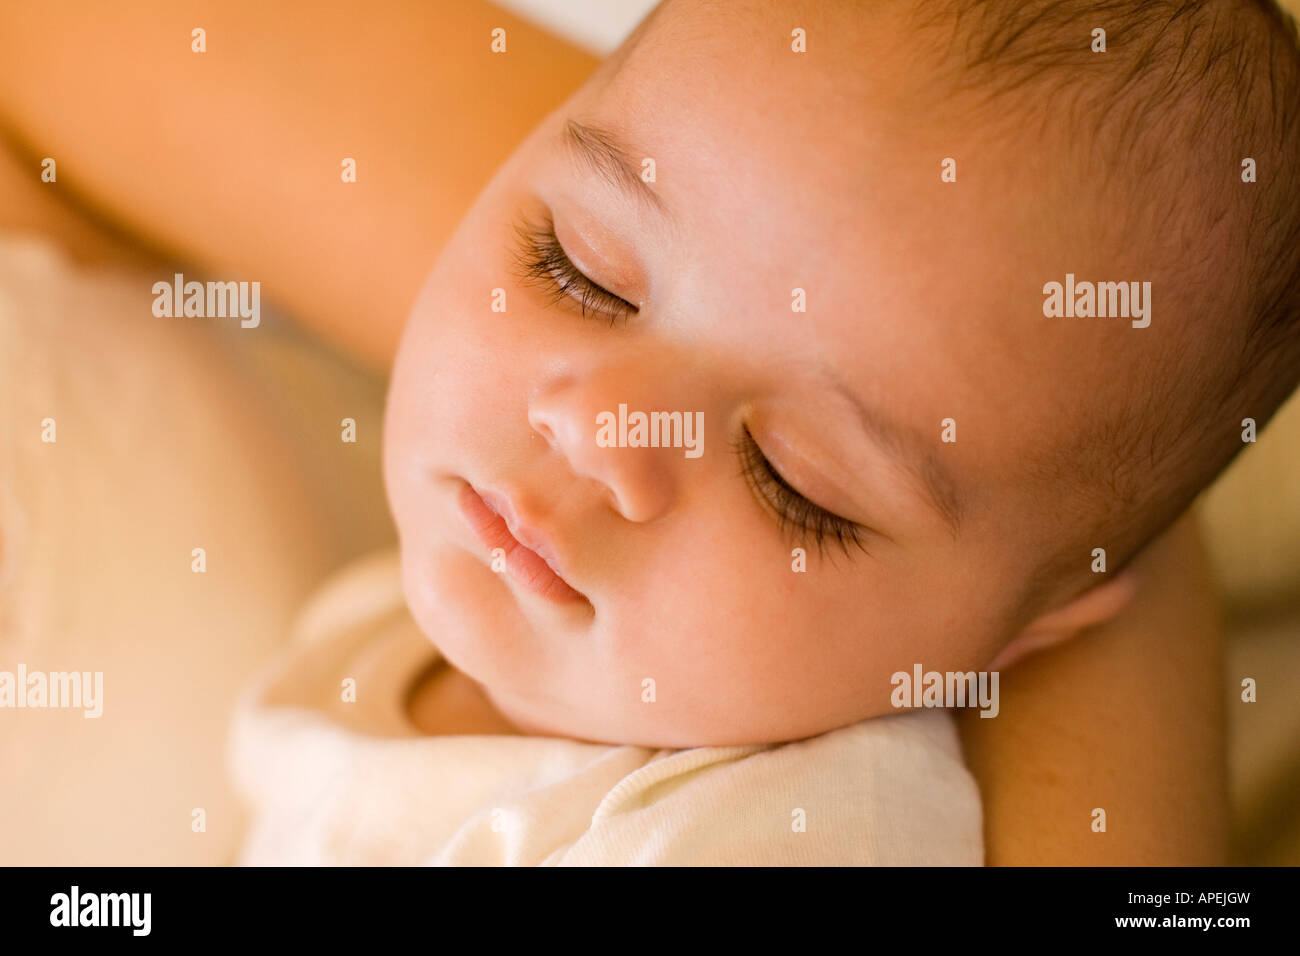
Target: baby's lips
{"type": "Point", "coordinates": [530, 558]}
{"type": "Point", "coordinates": [530, 538]}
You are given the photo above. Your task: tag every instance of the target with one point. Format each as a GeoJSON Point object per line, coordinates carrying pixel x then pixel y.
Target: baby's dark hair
{"type": "Point", "coordinates": [1188, 97]}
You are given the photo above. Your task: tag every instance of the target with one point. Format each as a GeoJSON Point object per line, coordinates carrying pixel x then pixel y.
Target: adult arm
{"type": "Point", "coordinates": [232, 158]}
{"type": "Point", "coordinates": [1127, 718]}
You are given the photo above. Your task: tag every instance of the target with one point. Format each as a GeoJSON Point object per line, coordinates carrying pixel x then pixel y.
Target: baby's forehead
{"type": "Point", "coordinates": [807, 184]}
{"type": "Point", "coordinates": [744, 69]}
{"type": "Point", "coordinates": [809, 145]}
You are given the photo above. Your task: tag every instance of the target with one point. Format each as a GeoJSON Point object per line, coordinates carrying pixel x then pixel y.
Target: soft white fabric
{"type": "Point", "coordinates": [333, 782]}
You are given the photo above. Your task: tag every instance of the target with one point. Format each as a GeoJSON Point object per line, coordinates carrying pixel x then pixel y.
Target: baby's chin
{"type": "Point", "coordinates": [471, 615]}
{"type": "Point", "coordinates": [459, 605]}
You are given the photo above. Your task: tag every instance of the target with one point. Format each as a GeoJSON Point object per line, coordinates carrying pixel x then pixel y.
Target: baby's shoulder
{"type": "Point", "coordinates": [885, 791]}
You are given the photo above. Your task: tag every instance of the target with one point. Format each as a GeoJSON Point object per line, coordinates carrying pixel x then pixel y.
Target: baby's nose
{"type": "Point", "coordinates": [574, 417]}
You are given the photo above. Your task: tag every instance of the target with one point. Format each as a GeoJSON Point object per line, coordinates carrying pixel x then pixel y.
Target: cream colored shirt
{"type": "Point", "coordinates": [332, 781]}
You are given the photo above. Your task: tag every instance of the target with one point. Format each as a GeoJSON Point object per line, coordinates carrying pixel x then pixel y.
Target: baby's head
{"type": "Point", "coordinates": [770, 241]}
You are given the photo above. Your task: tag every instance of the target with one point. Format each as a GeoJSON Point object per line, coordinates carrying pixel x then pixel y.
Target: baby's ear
{"type": "Point", "coordinates": [1095, 606]}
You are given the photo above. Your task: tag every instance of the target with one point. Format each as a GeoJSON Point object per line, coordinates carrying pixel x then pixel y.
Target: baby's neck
{"type": "Point", "coordinates": [445, 702]}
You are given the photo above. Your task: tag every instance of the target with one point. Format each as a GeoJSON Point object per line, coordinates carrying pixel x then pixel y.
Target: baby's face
{"type": "Point", "coordinates": [657, 601]}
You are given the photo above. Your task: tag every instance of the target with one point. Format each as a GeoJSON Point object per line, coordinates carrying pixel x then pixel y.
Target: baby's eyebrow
{"type": "Point", "coordinates": [602, 151]}
{"type": "Point", "coordinates": [920, 459]}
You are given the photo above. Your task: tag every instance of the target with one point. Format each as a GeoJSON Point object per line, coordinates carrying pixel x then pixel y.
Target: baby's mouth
{"type": "Point", "coordinates": [529, 556]}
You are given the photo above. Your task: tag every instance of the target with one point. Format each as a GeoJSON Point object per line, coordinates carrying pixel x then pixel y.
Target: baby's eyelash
{"type": "Point", "coordinates": [542, 261]}
{"type": "Point", "coordinates": [794, 512]}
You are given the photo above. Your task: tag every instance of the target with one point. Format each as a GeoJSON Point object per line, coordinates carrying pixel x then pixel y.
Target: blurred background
{"type": "Point", "coordinates": [1251, 517]}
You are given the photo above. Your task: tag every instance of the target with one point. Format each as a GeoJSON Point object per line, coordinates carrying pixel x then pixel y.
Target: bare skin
{"type": "Point", "coordinates": [1127, 717]}
{"type": "Point", "coordinates": [1059, 753]}
{"type": "Point", "coordinates": [1022, 762]}
{"type": "Point", "coordinates": [446, 702]}
{"type": "Point", "coordinates": [177, 166]}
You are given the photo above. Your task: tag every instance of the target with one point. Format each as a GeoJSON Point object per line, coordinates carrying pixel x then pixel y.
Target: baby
{"type": "Point", "coordinates": [960, 305]}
